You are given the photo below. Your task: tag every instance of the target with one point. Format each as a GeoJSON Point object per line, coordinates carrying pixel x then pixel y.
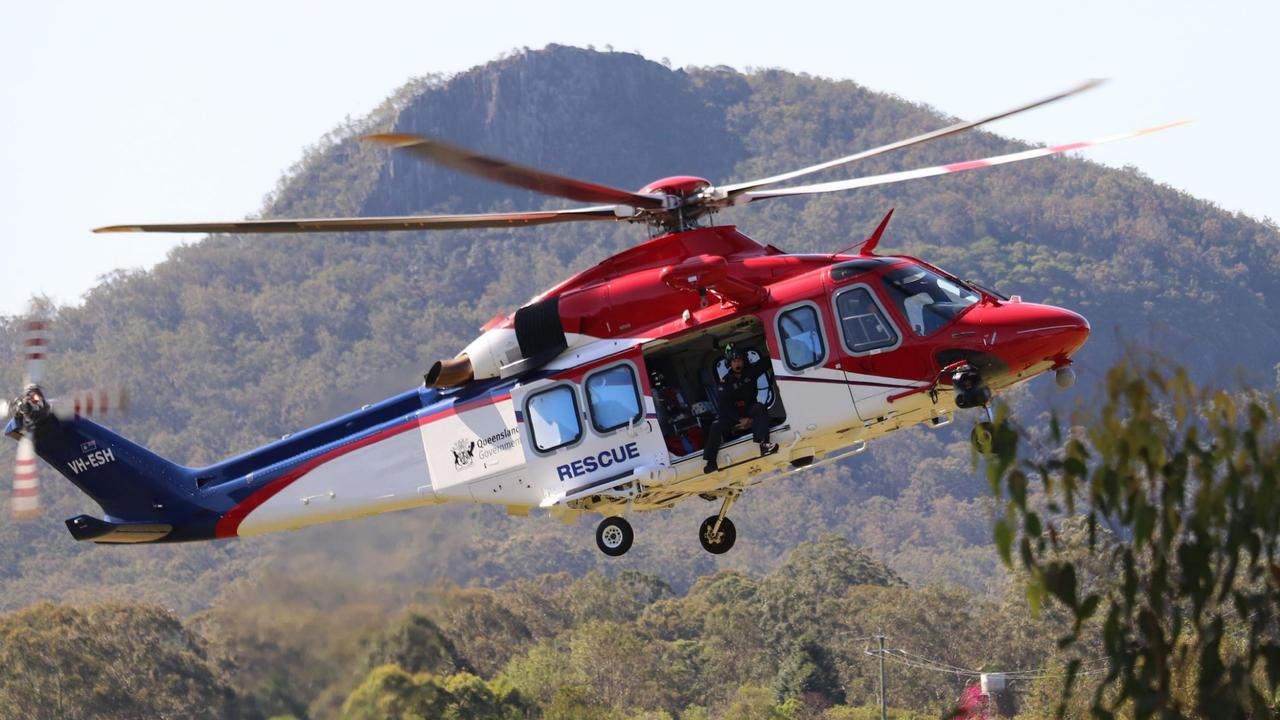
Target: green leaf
{"type": "Point", "coordinates": [1004, 541]}
{"type": "Point", "coordinates": [1017, 481]}
{"type": "Point", "coordinates": [1031, 525]}
{"type": "Point", "coordinates": [1272, 654]}
{"type": "Point", "coordinates": [1060, 581]}
{"type": "Point", "coordinates": [1035, 596]}
{"type": "Point", "coordinates": [1088, 607]}
{"type": "Point", "coordinates": [1143, 524]}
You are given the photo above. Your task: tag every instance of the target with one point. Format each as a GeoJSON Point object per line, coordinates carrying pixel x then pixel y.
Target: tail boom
{"type": "Point", "coordinates": [367, 462]}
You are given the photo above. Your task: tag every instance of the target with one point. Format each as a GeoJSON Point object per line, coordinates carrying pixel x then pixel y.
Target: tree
{"type": "Point", "coordinates": [756, 703]}
{"type": "Point", "coordinates": [1189, 480]}
{"type": "Point", "coordinates": [107, 661]}
{"type": "Point", "coordinates": [808, 674]}
{"type": "Point", "coordinates": [416, 644]}
{"type": "Point", "coordinates": [577, 703]}
{"type": "Point", "coordinates": [623, 669]}
{"type": "Point", "coordinates": [390, 692]}
{"type": "Point", "coordinates": [542, 671]}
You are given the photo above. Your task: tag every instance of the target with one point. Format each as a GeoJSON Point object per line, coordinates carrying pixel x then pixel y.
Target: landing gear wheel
{"type": "Point", "coordinates": [722, 541]}
{"type": "Point", "coordinates": [983, 436]}
{"type": "Point", "coordinates": [614, 536]}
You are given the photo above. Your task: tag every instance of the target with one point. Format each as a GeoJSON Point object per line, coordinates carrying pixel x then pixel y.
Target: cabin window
{"type": "Point", "coordinates": [927, 300]}
{"type": "Point", "coordinates": [554, 419]}
{"type": "Point", "coordinates": [862, 321]}
{"type": "Point", "coordinates": [614, 398]}
{"type": "Point", "coordinates": [800, 335]}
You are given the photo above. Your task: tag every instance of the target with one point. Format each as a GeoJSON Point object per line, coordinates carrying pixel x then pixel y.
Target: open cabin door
{"type": "Point", "coordinates": [591, 432]}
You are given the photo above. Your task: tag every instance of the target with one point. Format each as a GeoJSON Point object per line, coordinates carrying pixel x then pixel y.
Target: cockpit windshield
{"type": "Point", "coordinates": [928, 300]}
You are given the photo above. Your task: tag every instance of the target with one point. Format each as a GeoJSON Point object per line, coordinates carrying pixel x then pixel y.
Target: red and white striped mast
{"type": "Point", "coordinates": [26, 483]}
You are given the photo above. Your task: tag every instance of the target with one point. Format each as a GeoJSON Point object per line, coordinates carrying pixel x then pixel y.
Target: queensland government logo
{"type": "Point", "coordinates": [464, 453]}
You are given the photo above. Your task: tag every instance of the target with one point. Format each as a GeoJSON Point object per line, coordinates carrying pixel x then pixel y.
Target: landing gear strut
{"type": "Point", "coordinates": [717, 533]}
{"type": "Point", "coordinates": [983, 435]}
{"type": "Point", "coordinates": [614, 536]}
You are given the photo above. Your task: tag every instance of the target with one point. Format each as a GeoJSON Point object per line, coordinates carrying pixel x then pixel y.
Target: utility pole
{"type": "Point", "coordinates": [882, 709]}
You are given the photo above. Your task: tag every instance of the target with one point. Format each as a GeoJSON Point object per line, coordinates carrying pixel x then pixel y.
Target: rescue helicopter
{"type": "Point", "coordinates": [597, 395]}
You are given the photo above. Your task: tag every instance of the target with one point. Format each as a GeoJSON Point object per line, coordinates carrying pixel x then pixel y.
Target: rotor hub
{"type": "Point", "coordinates": [678, 185]}
{"type": "Point", "coordinates": [32, 406]}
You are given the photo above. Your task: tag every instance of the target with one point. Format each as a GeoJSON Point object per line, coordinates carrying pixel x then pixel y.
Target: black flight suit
{"type": "Point", "coordinates": [737, 398]}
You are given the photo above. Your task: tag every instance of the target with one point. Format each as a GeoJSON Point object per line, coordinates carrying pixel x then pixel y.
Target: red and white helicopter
{"type": "Point", "coordinates": [593, 396]}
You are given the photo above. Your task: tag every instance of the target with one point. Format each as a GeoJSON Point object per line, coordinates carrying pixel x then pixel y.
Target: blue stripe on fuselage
{"type": "Point", "coordinates": [270, 461]}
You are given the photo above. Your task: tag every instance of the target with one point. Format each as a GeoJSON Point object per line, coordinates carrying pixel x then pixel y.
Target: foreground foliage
{"type": "Point", "coordinates": [1188, 596]}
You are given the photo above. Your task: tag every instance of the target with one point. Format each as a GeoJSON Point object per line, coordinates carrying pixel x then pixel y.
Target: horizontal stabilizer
{"type": "Point", "coordinates": [86, 527]}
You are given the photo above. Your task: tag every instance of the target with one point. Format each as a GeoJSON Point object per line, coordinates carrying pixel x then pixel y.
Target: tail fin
{"type": "Point", "coordinates": [144, 496]}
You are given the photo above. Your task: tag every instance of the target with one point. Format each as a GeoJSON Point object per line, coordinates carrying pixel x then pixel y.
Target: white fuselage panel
{"type": "Point", "coordinates": [389, 474]}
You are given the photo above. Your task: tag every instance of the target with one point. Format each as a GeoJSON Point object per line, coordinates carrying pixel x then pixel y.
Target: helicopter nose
{"type": "Point", "coordinates": [1032, 337]}
{"type": "Point", "coordinates": [1073, 333]}
{"type": "Point", "coordinates": [1044, 333]}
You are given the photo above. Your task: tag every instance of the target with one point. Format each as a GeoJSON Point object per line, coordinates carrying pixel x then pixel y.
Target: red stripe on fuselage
{"type": "Point", "coordinates": [229, 524]}
{"type": "Point", "coordinates": [833, 381]}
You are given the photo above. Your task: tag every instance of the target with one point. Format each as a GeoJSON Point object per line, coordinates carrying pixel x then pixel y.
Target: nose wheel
{"type": "Point", "coordinates": [983, 434]}
{"type": "Point", "coordinates": [614, 536]}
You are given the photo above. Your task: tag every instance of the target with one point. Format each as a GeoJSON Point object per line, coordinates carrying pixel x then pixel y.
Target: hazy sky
{"type": "Point", "coordinates": [152, 111]}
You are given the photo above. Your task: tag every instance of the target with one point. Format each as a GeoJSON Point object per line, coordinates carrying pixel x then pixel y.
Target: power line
{"type": "Point", "coordinates": [1094, 666]}
{"type": "Point", "coordinates": [923, 666]}
{"type": "Point", "coordinates": [924, 659]}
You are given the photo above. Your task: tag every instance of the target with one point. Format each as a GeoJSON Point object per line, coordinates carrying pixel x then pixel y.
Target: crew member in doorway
{"type": "Point", "coordinates": [739, 408]}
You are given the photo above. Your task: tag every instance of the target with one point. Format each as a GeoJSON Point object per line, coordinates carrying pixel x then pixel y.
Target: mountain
{"type": "Point", "coordinates": [236, 340]}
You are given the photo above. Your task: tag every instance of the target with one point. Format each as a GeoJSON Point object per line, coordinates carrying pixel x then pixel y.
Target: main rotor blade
{"type": "Point", "coordinates": [510, 173]}
{"type": "Point", "coordinates": [26, 498]}
{"type": "Point", "coordinates": [738, 188]}
{"type": "Point", "coordinates": [407, 222]}
{"type": "Point", "coordinates": [840, 185]}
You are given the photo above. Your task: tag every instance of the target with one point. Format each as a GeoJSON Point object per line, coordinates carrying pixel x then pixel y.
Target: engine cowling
{"type": "Point", "coordinates": [536, 338]}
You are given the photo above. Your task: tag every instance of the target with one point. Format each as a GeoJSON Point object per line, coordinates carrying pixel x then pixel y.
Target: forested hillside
{"type": "Point", "coordinates": [236, 340]}
{"type": "Point", "coordinates": [787, 645]}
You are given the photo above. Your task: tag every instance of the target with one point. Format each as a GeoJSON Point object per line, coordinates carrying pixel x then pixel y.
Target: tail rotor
{"type": "Point", "coordinates": [33, 407]}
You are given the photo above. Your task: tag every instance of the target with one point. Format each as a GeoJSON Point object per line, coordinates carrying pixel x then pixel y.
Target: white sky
{"type": "Point", "coordinates": [127, 111]}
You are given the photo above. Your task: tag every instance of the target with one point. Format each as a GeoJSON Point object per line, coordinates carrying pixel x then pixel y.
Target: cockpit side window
{"type": "Point", "coordinates": [927, 300]}
{"type": "Point", "coordinates": [862, 323]}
